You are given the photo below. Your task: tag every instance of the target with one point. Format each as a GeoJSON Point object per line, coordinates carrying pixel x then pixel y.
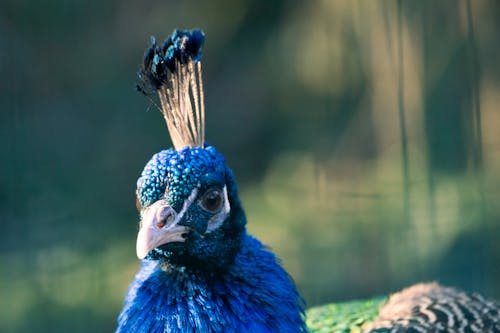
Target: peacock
{"type": "Point", "coordinates": [202, 272]}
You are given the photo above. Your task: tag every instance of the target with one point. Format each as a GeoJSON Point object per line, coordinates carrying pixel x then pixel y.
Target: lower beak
{"type": "Point", "coordinates": [159, 226]}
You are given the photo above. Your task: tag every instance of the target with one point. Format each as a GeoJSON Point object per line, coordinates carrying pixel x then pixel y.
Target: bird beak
{"type": "Point", "coordinates": [159, 226]}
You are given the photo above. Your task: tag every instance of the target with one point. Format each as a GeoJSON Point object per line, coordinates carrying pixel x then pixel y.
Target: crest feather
{"type": "Point", "coordinates": [174, 72]}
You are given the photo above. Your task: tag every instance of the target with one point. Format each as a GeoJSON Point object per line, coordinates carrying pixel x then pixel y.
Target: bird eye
{"type": "Point", "coordinates": [212, 200]}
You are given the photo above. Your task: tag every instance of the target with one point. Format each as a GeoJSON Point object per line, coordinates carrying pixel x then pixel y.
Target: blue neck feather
{"type": "Point", "coordinates": [255, 294]}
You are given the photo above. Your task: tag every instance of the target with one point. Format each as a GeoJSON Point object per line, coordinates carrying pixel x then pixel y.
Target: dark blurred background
{"type": "Point", "coordinates": [364, 136]}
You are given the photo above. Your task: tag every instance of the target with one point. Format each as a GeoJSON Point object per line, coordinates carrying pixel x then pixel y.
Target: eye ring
{"type": "Point", "coordinates": [212, 201]}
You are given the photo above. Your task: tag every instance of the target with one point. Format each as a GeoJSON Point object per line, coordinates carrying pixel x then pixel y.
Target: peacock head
{"type": "Point", "coordinates": [191, 216]}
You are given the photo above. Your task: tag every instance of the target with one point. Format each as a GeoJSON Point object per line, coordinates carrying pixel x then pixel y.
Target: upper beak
{"type": "Point", "coordinates": [159, 225]}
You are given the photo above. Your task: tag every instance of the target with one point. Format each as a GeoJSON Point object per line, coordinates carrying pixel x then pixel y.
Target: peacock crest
{"type": "Point", "coordinates": [173, 71]}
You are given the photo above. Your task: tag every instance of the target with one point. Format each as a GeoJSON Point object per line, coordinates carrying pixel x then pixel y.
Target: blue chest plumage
{"type": "Point", "coordinates": [254, 295]}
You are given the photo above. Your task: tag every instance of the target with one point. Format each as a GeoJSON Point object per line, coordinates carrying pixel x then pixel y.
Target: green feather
{"type": "Point", "coordinates": [348, 317]}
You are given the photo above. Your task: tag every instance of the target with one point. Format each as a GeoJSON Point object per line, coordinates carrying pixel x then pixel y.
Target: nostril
{"type": "Point", "coordinates": [164, 216]}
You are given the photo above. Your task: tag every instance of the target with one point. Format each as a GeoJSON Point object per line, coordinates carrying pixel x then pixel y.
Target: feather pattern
{"type": "Point", "coordinates": [430, 307]}
{"type": "Point", "coordinates": [425, 307]}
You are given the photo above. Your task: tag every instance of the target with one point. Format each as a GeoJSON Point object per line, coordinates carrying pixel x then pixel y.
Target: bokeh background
{"type": "Point", "coordinates": [364, 136]}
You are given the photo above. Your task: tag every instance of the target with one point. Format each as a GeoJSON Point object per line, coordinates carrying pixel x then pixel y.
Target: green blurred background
{"type": "Point", "coordinates": [364, 136]}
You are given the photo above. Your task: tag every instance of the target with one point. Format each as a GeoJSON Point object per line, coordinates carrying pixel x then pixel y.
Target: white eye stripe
{"type": "Point", "coordinates": [187, 203]}
{"type": "Point", "coordinates": [217, 220]}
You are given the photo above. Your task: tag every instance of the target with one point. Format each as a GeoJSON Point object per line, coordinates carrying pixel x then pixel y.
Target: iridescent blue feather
{"type": "Point", "coordinates": [255, 295]}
